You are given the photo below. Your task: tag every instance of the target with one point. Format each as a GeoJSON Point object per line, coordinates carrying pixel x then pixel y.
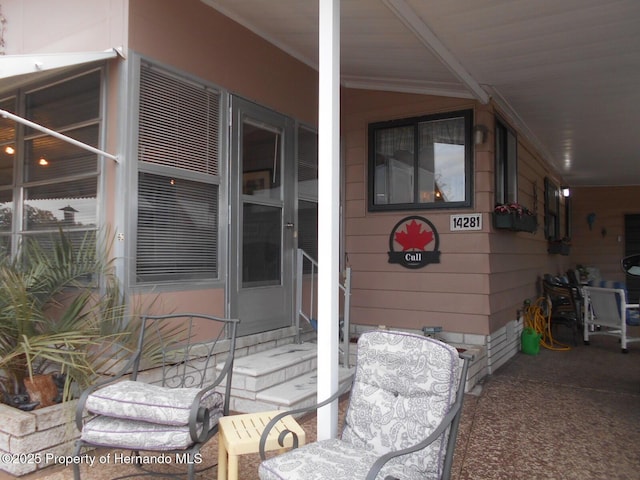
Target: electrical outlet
{"type": "Point", "coordinates": [429, 331]}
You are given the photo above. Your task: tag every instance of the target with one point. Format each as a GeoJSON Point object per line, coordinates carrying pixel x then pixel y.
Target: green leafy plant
{"type": "Point", "coordinates": [61, 310]}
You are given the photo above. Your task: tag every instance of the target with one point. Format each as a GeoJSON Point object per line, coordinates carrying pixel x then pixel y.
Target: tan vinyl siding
{"type": "Point", "coordinates": [453, 293]}
{"type": "Point", "coordinates": [590, 246]}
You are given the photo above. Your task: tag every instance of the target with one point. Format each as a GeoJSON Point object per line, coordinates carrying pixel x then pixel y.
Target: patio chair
{"type": "Point", "coordinates": [170, 394]}
{"type": "Point", "coordinates": [608, 310]}
{"type": "Point", "coordinates": [565, 306]}
{"type": "Point", "coordinates": [402, 419]}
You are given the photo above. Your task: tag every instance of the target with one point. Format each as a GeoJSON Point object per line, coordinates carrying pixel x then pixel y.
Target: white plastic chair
{"type": "Point", "coordinates": [606, 312]}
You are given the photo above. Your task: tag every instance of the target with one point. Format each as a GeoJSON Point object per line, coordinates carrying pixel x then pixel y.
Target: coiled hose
{"type": "Point", "coordinates": [537, 316]}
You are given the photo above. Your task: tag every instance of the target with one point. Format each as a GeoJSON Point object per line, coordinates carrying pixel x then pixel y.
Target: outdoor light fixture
{"type": "Point", "coordinates": [566, 192]}
{"type": "Point", "coordinates": [479, 134]}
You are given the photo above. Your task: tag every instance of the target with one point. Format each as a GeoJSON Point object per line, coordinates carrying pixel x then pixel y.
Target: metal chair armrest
{"type": "Point", "coordinates": [263, 438]}
{"type": "Point", "coordinates": [381, 461]}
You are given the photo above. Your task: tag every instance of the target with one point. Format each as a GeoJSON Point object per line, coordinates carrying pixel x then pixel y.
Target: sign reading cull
{"type": "Point", "coordinates": [414, 243]}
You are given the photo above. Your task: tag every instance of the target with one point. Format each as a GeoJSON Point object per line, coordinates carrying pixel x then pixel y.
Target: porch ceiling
{"type": "Point", "coordinates": [567, 72]}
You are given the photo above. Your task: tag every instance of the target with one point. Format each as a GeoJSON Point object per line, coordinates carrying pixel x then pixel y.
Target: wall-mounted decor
{"type": "Point", "coordinates": [414, 243]}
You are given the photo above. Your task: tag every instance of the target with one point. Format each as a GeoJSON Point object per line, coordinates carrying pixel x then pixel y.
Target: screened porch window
{"type": "Point", "coordinates": [421, 163]}
{"type": "Point", "coordinates": [47, 184]}
{"type": "Point", "coordinates": [178, 179]}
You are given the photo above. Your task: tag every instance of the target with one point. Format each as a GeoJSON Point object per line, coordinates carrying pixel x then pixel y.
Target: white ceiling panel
{"type": "Point", "coordinates": [567, 71]}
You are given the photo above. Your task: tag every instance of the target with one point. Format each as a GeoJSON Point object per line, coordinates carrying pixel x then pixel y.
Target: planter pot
{"type": "Point", "coordinates": [515, 222]}
{"type": "Point", "coordinates": [504, 221]}
{"type": "Point", "coordinates": [42, 389]}
{"type": "Point", "coordinates": [30, 436]}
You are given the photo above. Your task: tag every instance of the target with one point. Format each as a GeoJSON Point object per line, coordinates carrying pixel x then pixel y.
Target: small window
{"type": "Point", "coordinates": [551, 210]}
{"type": "Point", "coordinates": [506, 164]}
{"type": "Point", "coordinates": [421, 163]}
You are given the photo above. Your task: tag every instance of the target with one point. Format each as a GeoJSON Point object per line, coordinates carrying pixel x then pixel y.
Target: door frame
{"type": "Point", "coordinates": [242, 300]}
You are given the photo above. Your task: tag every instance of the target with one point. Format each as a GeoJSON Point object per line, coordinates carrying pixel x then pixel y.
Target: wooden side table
{"type": "Point", "coordinates": [240, 434]}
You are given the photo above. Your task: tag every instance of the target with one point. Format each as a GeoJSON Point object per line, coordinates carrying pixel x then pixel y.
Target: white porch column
{"type": "Point", "coordinates": [328, 212]}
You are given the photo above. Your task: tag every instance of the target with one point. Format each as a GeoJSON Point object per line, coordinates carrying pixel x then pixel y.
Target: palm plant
{"type": "Point", "coordinates": [61, 308]}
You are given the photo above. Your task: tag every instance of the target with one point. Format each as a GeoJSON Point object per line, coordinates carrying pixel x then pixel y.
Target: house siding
{"type": "Point", "coordinates": [452, 293]}
{"type": "Point", "coordinates": [191, 37]}
{"type": "Point", "coordinates": [483, 277]}
{"type": "Point", "coordinates": [589, 245]}
{"type": "Point", "coordinates": [194, 37]}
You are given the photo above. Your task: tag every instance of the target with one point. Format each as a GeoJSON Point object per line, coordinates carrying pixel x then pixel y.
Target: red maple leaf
{"type": "Point", "coordinates": [414, 238]}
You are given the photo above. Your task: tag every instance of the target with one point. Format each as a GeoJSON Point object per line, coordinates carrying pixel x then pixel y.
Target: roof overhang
{"type": "Point", "coordinates": [17, 69]}
{"type": "Point", "coordinates": [12, 65]}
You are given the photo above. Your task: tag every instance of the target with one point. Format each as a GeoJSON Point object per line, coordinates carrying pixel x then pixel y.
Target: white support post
{"type": "Point", "coordinates": [328, 213]}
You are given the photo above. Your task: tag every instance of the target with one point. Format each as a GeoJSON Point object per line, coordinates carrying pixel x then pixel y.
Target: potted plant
{"type": "Point", "coordinates": [61, 309]}
{"type": "Point", "coordinates": [514, 216]}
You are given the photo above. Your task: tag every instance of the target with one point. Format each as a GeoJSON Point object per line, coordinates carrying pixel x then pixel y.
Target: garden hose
{"type": "Point", "coordinates": [537, 316]}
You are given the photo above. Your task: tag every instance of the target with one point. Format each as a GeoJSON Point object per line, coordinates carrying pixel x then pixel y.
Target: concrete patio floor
{"type": "Point", "coordinates": [558, 415]}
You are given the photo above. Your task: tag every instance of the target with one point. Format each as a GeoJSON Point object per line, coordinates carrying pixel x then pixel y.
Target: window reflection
{"type": "Point", "coordinates": [420, 162]}
{"type": "Point", "coordinates": [65, 205]}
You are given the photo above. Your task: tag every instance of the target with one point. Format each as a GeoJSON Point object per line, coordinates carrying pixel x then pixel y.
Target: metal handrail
{"type": "Point", "coordinates": [346, 290]}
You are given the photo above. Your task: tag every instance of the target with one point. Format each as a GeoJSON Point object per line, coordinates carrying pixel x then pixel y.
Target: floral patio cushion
{"type": "Point", "coordinates": [403, 387]}
{"type": "Point", "coordinates": [151, 403]}
{"type": "Point", "coordinates": [137, 435]}
{"type": "Point", "coordinates": [327, 459]}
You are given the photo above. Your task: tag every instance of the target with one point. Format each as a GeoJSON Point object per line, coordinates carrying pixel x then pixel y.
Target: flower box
{"type": "Point", "coordinates": [515, 222]}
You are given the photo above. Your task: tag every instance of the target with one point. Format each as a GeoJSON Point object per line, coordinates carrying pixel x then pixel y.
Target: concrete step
{"type": "Point", "coordinates": [258, 371]}
{"type": "Point", "coordinates": [283, 377]}
{"type": "Point", "coordinates": [300, 391]}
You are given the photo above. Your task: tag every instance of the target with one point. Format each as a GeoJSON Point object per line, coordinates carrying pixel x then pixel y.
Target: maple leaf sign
{"type": "Point", "coordinates": [414, 238]}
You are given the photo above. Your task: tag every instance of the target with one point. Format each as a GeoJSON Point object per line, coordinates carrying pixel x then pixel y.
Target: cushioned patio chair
{"type": "Point", "coordinates": [402, 419]}
{"type": "Point", "coordinates": [608, 313]}
{"type": "Point", "coordinates": [169, 395]}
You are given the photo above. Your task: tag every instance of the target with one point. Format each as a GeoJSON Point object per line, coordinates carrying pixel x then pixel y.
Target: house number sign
{"type": "Point", "coordinates": [468, 221]}
{"type": "Point", "coordinates": [414, 243]}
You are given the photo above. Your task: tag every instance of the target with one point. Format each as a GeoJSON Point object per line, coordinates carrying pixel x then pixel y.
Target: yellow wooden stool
{"type": "Point", "coordinates": [240, 434]}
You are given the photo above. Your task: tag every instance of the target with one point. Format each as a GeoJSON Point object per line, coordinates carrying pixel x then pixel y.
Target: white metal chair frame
{"type": "Point", "coordinates": [607, 308]}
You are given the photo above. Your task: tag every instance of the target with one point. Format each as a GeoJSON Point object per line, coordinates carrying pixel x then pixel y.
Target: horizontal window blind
{"type": "Point", "coordinates": [177, 229]}
{"type": "Point", "coordinates": [179, 123]}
